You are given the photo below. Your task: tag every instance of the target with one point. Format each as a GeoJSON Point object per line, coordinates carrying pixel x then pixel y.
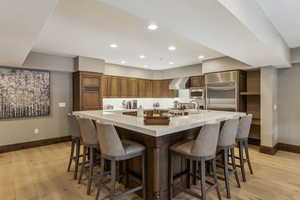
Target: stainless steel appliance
{"type": "Point", "coordinates": [222, 91]}
{"type": "Point", "coordinates": [197, 93]}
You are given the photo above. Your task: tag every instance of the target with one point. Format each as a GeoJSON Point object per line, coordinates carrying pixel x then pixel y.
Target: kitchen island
{"type": "Point", "coordinates": [157, 140]}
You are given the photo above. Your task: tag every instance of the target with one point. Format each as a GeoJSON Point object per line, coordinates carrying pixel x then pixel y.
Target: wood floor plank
{"type": "Point", "coordinates": [40, 174]}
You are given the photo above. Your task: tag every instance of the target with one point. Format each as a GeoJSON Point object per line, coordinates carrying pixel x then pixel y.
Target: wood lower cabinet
{"type": "Point", "coordinates": [87, 93]}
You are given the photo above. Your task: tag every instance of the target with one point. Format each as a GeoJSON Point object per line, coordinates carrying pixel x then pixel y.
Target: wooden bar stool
{"type": "Point", "coordinates": [225, 148]}
{"type": "Point", "coordinates": [90, 148]}
{"type": "Point", "coordinates": [202, 149]}
{"type": "Point", "coordinates": [242, 140]}
{"type": "Point", "coordinates": [75, 143]}
{"type": "Point", "coordinates": [116, 150]}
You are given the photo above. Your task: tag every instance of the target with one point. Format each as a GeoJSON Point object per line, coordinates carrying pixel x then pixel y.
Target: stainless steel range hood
{"type": "Point", "coordinates": [178, 83]}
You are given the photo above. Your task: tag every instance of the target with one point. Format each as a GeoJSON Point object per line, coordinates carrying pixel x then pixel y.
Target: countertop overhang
{"type": "Point", "coordinates": [178, 123]}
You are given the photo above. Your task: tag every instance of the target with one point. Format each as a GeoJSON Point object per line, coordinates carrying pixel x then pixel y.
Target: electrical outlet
{"type": "Point", "coordinates": [62, 104]}
{"type": "Point", "coordinates": [36, 131]}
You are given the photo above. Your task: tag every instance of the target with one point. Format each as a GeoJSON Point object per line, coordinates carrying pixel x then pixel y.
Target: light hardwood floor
{"type": "Point", "coordinates": [40, 174]}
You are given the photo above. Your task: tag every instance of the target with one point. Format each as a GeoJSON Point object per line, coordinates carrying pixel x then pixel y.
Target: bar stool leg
{"type": "Point", "coordinates": [234, 167]}
{"type": "Point", "coordinates": [247, 157]}
{"type": "Point", "coordinates": [226, 172]}
{"type": "Point", "coordinates": [170, 175]}
{"type": "Point", "coordinates": [203, 180]}
{"type": "Point", "coordinates": [91, 170]}
{"type": "Point", "coordinates": [71, 154]}
{"type": "Point", "coordinates": [214, 171]}
{"type": "Point", "coordinates": [113, 179]}
{"type": "Point", "coordinates": [189, 164]}
{"type": "Point", "coordinates": [242, 164]}
{"type": "Point", "coordinates": [83, 164]}
{"type": "Point", "coordinates": [77, 158]}
{"type": "Point", "coordinates": [144, 177]}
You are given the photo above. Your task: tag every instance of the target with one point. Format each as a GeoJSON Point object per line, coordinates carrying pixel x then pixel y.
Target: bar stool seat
{"type": "Point", "coordinates": [184, 147]}
{"type": "Point", "coordinates": [132, 147]}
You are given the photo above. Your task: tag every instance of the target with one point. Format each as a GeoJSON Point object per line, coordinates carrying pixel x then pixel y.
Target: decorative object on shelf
{"type": "Point", "coordinates": [24, 93]}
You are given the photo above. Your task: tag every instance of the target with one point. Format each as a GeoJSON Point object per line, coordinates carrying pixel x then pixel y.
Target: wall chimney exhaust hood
{"type": "Point", "coordinates": [178, 83]}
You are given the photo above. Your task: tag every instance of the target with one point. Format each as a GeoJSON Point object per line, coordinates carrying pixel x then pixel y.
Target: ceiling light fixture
{"type": "Point", "coordinates": [123, 62]}
{"type": "Point", "coordinates": [142, 56]}
{"type": "Point", "coordinates": [171, 63]}
{"type": "Point", "coordinates": [152, 27]}
{"type": "Point", "coordinates": [113, 45]}
{"type": "Point", "coordinates": [145, 66]}
{"type": "Point", "coordinates": [201, 57]}
{"type": "Point", "coordinates": [172, 48]}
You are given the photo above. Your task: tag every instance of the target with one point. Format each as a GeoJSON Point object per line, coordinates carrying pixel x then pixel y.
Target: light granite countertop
{"type": "Point", "coordinates": [178, 123]}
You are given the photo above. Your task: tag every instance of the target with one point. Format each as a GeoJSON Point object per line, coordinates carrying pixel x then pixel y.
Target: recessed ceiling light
{"type": "Point", "coordinates": [171, 63]}
{"type": "Point", "coordinates": [201, 57]}
{"type": "Point", "coordinates": [123, 61]}
{"type": "Point", "coordinates": [172, 48]}
{"type": "Point", "coordinates": [142, 56]}
{"type": "Point", "coordinates": [152, 27]}
{"type": "Point", "coordinates": [145, 66]}
{"type": "Point", "coordinates": [113, 45]}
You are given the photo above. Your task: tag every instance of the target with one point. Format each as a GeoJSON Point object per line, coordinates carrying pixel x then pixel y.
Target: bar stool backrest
{"type": "Point", "coordinates": [207, 140]}
{"type": "Point", "coordinates": [87, 131]}
{"type": "Point", "coordinates": [109, 140]}
{"type": "Point", "coordinates": [228, 132]}
{"type": "Point", "coordinates": [73, 126]}
{"type": "Point", "coordinates": [244, 127]}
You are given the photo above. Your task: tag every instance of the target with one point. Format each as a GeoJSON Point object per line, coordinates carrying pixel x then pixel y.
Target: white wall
{"type": "Point", "coordinates": [289, 105]}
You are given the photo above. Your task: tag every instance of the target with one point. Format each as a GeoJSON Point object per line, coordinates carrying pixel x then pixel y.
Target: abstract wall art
{"type": "Point", "coordinates": [24, 93]}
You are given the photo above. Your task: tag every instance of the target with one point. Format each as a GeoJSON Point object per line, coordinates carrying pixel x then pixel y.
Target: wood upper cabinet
{"type": "Point", "coordinates": [105, 86]}
{"type": "Point", "coordinates": [156, 88]}
{"type": "Point", "coordinates": [132, 89]}
{"type": "Point", "coordinates": [87, 94]}
{"type": "Point", "coordinates": [123, 87]}
{"type": "Point", "coordinates": [115, 87]}
{"type": "Point", "coordinates": [164, 89]}
{"type": "Point", "coordinates": [148, 88]}
{"type": "Point", "coordinates": [141, 88]}
{"type": "Point", "coordinates": [197, 81]}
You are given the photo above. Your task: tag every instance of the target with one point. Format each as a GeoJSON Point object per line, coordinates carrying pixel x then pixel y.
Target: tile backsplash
{"type": "Point", "coordinates": [147, 103]}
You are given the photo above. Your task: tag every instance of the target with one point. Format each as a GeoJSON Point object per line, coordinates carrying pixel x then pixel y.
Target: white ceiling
{"type": "Point", "coordinates": [236, 28]}
{"type": "Point", "coordinates": [21, 23]}
{"type": "Point", "coordinates": [285, 15]}
{"type": "Point", "coordinates": [88, 27]}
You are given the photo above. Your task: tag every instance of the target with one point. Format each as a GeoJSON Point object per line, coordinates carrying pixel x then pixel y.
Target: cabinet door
{"type": "Point", "coordinates": [105, 86]}
{"type": "Point", "coordinates": [91, 100]}
{"type": "Point", "coordinates": [197, 81]}
{"type": "Point", "coordinates": [124, 87]}
{"type": "Point", "coordinates": [164, 88]}
{"type": "Point", "coordinates": [148, 89]}
{"type": "Point", "coordinates": [142, 88]}
{"type": "Point", "coordinates": [132, 87]}
{"type": "Point", "coordinates": [156, 84]}
{"type": "Point", "coordinates": [115, 87]}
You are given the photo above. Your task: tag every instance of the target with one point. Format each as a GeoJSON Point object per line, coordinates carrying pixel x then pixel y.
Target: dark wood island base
{"type": "Point", "coordinates": [157, 169]}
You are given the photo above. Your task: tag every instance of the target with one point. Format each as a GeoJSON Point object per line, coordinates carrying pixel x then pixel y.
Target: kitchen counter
{"type": "Point", "coordinates": [178, 123]}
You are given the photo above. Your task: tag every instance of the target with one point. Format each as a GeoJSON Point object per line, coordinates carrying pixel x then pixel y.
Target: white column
{"type": "Point", "coordinates": [269, 125]}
